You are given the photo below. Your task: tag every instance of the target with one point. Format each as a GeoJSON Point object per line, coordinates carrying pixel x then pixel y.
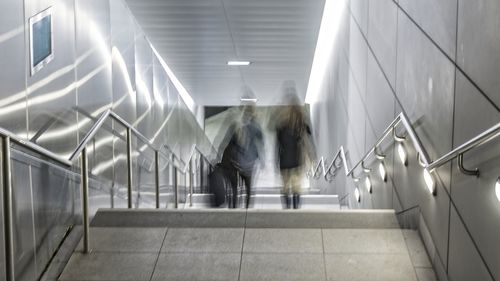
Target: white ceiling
{"type": "Point", "coordinates": [197, 38]}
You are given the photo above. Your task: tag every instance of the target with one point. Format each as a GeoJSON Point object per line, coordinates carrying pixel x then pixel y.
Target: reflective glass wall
{"type": "Point", "coordinates": [101, 60]}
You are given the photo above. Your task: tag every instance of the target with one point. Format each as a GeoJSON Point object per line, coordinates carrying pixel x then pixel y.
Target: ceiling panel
{"type": "Point", "coordinates": [197, 37]}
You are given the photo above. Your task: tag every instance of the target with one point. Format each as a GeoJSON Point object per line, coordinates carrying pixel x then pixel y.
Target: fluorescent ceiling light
{"type": "Point", "coordinates": [238, 63]}
{"type": "Point", "coordinates": [330, 23]}
{"type": "Point", "coordinates": [248, 100]}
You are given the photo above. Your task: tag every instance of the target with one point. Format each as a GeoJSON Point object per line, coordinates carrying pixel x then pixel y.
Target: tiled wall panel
{"type": "Point", "coordinates": [409, 65]}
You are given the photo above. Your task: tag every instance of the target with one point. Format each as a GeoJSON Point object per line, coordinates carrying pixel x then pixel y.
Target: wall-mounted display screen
{"type": "Point", "coordinates": [41, 41]}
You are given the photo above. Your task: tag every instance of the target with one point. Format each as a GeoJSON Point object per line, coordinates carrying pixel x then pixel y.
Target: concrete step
{"type": "Point", "coordinates": [266, 201]}
{"type": "Point", "coordinates": [307, 201]}
{"type": "Point", "coordinates": [250, 218]}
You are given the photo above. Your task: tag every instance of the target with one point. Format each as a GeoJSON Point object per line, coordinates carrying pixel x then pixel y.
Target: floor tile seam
{"type": "Point", "coordinates": [242, 244]}
{"type": "Point", "coordinates": [283, 254]}
{"type": "Point", "coordinates": [425, 267]}
{"type": "Point", "coordinates": [409, 255]}
{"type": "Point", "coordinates": [201, 253]}
{"type": "Point", "coordinates": [158, 256]}
{"type": "Point", "coordinates": [324, 257]}
{"type": "Point", "coordinates": [365, 253]}
{"type": "Point", "coordinates": [123, 252]}
{"type": "Point", "coordinates": [123, 225]}
{"type": "Point", "coordinates": [285, 228]}
{"type": "Point", "coordinates": [98, 280]}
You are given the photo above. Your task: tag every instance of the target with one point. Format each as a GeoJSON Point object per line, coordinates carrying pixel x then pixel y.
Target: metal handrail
{"type": "Point", "coordinates": [400, 119]}
{"type": "Point", "coordinates": [81, 151]}
{"type": "Point", "coordinates": [314, 171]}
{"type": "Point", "coordinates": [424, 160]}
{"type": "Point", "coordinates": [34, 147]}
{"type": "Point", "coordinates": [479, 140]}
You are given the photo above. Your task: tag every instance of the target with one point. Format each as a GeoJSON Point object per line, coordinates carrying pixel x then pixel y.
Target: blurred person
{"type": "Point", "coordinates": [242, 151]}
{"type": "Point", "coordinates": [294, 146]}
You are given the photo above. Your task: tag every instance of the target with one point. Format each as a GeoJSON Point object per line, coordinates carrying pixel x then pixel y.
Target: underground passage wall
{"type": "Point", "coordinates": [102, 60]}
{"type": "Point", "coordinates": [438, 62]}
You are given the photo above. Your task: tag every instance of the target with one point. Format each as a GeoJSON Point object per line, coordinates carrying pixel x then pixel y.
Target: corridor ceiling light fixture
{"type": "Point", "coordinates": [429, 181]}
{"type": "Point", "coordinates": [368, 185]}
{"type": "Point", "coordinates": [497, 189]}
{"type": "Point", "coordinates": [402, 154]}
{"type": "Point", "coordinates": [357, 195]}
{"type": "Point", "coordinates": [382, 171]}
{"type": "Point", "coordinates": [248, 100]}
{"type": "Point", "coordinates": [238, 63]}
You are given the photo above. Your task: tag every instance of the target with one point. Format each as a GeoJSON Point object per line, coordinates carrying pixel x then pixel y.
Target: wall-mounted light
{"type": "Point", "coordinates": [402, 154]}
{"type": "Point", "coordinates": [357, 195]}
{"type": "Point", "coordinates": [429, 181]}
{"type": "Point", "coordinates": [382, 171]}
{"type": "Point", "coordinates": [497, 189]}
{"type": "Point", "coordinates": [368, 185]}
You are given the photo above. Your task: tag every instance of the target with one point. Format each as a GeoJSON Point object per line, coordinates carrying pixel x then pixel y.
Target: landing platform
{"type": "Point", "coordinates": [250, 245]}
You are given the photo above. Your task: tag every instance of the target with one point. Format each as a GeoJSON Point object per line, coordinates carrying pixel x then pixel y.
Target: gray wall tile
{"type": "Point", "coordinates": [425, 88]}
{"type": "Point", "coordinates": [475, 197]}
{"type": "Point", "coordinates": [478, 44]}
{"type": "Point", "coordinates": [359, 9]}
{"type": "Point", "coordinates": [382, 35]}
{"type": "Point", "coordinates": [358, 51]}
{"type": "Point", "coordinates": [465, 263]}
{"type": "Point", "coordinates": [437, 18]}
{"type": "Point", "coordinates": [379, 100]}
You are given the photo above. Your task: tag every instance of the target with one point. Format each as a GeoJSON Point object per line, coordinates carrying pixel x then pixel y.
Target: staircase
{"type": "Point", "coordinates": [253, 244]}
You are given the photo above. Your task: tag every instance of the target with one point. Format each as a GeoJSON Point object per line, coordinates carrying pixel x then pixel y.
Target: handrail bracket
{"type": "Point", "coordinates": [464, 170]}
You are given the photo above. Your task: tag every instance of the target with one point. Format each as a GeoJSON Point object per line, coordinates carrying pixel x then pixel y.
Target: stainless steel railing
{"type": "Point", "coordinates": [422, 156]}
{"type": "Point", "coordinates": [8, 137]}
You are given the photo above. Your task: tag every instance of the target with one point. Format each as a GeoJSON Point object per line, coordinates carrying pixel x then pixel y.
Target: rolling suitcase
{"type": "Point", "coordinates": [219, 184]}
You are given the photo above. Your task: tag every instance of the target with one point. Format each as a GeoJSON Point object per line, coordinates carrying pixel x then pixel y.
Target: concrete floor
{"type": "Point", "coordinates": [174, 253]}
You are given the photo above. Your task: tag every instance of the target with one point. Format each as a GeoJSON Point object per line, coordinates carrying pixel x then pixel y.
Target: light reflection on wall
{"type": "Point", "coordinates": [118, 58]}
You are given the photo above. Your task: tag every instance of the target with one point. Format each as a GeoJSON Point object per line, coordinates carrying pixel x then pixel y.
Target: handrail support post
{"type": "Point", "coordinates": [7, 210]}
{"type": "Point", "coordinates": [190, 177]}
{"type": "Point", "coordinates": [176, 189]}
{"type": "Point", "coordinates": [129, 168]}
{"type": "Point", "coordinates": [85, 200]}
{"type": "Point", "coordinates": [157, 178]}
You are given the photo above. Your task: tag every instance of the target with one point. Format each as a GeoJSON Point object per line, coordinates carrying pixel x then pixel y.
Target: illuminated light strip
{"type": "Point", "coordinates": [177, 84]}
{"type": "Point", "coordinates": [330, 24]}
